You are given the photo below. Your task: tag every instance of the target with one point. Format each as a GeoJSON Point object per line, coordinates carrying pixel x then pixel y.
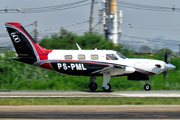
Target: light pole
{"type": "Point", "coordinates": [91, 16]}
{"type": "Point", "coordinates": [179, 49]}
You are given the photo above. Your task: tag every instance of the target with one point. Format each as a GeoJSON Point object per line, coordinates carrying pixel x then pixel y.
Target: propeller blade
{"type": "Point", "coordinates": [166, 57]}
{"type": "Point", "coordinates": [166, 62]}
{"type": "Point", "coordinates": [165, 75]}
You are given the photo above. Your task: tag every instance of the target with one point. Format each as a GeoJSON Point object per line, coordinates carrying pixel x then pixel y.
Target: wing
{"type": "Point", "coordinates": [113, 70]}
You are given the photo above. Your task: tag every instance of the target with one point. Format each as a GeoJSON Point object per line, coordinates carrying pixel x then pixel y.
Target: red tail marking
{"type": "Point", "coordinates": [43, 53]}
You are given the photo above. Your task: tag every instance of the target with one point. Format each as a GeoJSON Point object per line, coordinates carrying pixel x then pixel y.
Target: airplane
{"type": "Point", "coordinates": [80, 62]}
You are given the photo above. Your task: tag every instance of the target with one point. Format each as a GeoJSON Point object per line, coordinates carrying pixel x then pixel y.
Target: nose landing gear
{"type": "Point", "coordinates": [147, 87]}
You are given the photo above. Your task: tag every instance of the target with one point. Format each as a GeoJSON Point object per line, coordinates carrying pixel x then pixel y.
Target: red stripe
{"type": "Point", "coordinates": [46, 66]}
{"type": "Point", "coordinates": [146, 71]}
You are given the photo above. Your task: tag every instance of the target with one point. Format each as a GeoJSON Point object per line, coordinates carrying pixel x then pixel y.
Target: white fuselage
{"type": "Point", "coordinates": [148, 66]}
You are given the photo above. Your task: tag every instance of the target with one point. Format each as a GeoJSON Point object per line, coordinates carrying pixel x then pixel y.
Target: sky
{"type": "Point", "coordinates": [156, 29]}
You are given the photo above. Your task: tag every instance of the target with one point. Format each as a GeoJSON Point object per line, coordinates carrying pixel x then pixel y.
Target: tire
{"type": "Point", "coordinates": [107, 90]}
{"type": "Point", "coordinates": [147, 87]}
{"type": "Point", "coordinates": [93, 86]}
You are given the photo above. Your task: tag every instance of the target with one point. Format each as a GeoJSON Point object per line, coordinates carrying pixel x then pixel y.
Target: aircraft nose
{"type": "Point", "coordinates": [169, 66]}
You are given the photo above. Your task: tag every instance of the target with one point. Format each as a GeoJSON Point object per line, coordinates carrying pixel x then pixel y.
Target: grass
{"type": "Point", "coordinates": [89, 101]}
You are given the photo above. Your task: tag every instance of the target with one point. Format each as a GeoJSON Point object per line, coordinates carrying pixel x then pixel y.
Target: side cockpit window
{"type": "Point", "coordinates": [111, 57]}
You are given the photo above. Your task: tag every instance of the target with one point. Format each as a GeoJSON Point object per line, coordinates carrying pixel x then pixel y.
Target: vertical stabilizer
{"type": "Point", "coordinates": [26, 47]}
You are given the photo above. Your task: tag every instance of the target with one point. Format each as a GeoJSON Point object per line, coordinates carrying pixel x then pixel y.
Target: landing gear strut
{"type": "Point", "coordinates": [106, 86]}
{"type": "Point", "coordinates": [92, 85]}
{"type": "Point", "coordinates": [147, 87]}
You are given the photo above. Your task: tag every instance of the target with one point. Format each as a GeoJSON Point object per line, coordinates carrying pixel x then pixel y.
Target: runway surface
{"type": "Point", "coordinates": [91, 112]}
{"type": "Point", "coordinates": [5, 94]}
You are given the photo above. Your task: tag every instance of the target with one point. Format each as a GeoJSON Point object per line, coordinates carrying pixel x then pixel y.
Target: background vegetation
{"type": "Point", "coordinates": [90, 101]}
{"type": "Point", "coordinates": [20, 76]}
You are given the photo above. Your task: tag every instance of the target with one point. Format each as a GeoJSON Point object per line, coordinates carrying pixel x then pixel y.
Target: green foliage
{"type": "Point", "coordinates": [90, 101]}
{"type": "Point", "coordinates": [68, 40]}
{"type": "Point", "coordinates": [144, 48]}
{"type": "Point", "coordinates": [20, 76]}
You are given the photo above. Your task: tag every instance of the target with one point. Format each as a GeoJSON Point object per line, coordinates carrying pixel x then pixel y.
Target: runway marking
{"type": "Point", "coordinates": [95, 96]}
{"type": "Point", "coordinates": [149, 95]}
{"type": "Point", "coordinates": [64, 96]}
{"type": "Point", "coordinates": [86, 94]}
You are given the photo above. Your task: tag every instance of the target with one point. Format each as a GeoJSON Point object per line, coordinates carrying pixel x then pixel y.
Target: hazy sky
{"type": "Point", "coordinates": [138, 26]}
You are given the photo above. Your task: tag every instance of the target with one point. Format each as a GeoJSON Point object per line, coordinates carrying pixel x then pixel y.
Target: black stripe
{"type": "Point", "coordinates": [28, 34]}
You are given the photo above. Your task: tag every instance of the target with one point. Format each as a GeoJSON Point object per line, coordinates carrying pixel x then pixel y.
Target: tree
{"type": "Point", "coordinates": [68, 40]}
{"type": "Point", "coordinates": [160, 54]}
{"type": "Point", "coordinates": [144, 48]}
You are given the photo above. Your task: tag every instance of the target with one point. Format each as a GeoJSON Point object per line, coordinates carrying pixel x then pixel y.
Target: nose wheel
{"type": "Point", "coordinates": [147, 87]}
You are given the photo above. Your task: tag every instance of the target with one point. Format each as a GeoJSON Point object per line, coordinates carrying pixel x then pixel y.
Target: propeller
{"type": "Point", "coordinates": [166, 57]}
{"type": "Point", "coordinates": [166, 60]}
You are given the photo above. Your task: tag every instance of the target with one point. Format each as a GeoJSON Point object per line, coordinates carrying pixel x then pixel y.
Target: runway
{"type": "Point", "coordinates": [91, 112]}
{"type": "Point", "coordinates": [61, 94]}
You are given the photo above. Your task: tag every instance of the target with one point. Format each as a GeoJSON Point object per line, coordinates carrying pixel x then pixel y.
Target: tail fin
{"type": "Point", "coordinates": [26, 47]}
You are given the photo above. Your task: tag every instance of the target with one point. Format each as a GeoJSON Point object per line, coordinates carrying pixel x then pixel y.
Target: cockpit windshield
{"type": "Point", "coordinates": [120, 55]}
{"type": "Point", "coordinates": [111, 57]}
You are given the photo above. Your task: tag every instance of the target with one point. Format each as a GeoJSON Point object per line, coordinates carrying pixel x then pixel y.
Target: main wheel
{"type": "Point", "coordinates": [147, 87]}
{"type": "Point", "coordinates": [106, 90]}
{"type": "Point", "coordinates": [93, 86]}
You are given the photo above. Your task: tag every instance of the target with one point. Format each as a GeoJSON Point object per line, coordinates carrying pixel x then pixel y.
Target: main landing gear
{"type": "Point", "coordinates": [106, 86]}
{"type": "Point", "coordinates": [92, 85]}
{"type": "Point", "coordinates": [147, 87]}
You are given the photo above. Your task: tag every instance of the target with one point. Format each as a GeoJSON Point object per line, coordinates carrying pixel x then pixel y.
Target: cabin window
{"type": "Point", "coordinates": [111, 57]}
{"type": "Point", "coordinates": [68, 57]}
{"type": "Point", "coordinates": [81, 57]}
{"type": "Point", "coordinates": [94, 57]}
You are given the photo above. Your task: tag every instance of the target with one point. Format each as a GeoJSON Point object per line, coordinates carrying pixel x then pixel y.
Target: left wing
{"type": "Point", "coordinates": [115, 70]}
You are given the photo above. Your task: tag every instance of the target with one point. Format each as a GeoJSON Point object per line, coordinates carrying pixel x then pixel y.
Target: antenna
{"type": "Point", "coordinates": [78, 46]}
